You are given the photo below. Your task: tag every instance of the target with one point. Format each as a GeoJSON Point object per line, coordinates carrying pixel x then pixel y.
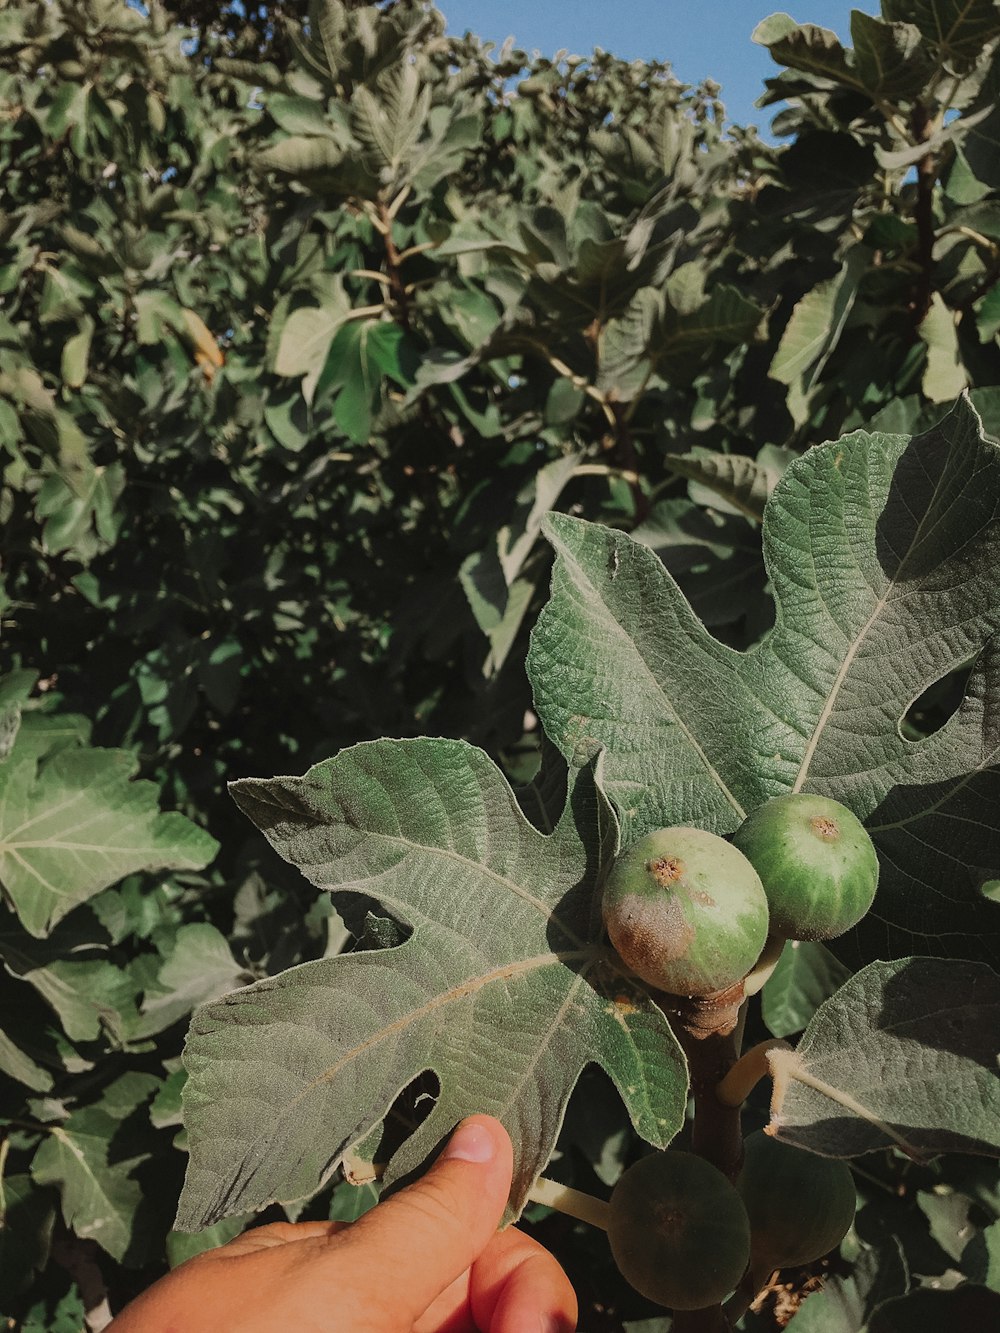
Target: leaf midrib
{"type": "Point", "coordinates": [710, 770]}
{"type": "Point", "coordinates": [855, 647]}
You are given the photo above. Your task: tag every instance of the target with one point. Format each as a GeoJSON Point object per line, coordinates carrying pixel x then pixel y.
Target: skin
{"type": "Point", "coordinates": [427, 1260]}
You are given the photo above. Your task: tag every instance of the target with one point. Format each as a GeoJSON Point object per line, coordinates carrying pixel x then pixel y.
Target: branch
{"type": "Point", "coordinates": [923, 215]}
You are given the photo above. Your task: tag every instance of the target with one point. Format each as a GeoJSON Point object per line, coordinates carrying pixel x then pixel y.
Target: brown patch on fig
{"type": "Point", "coordinates": [666, 870]}
{"type": "Point", "coordinates": [700, 896]}
{"type": "Point", "coordinates": [824, 828]}
{"type": "Point", "coordinates": [648, 932]}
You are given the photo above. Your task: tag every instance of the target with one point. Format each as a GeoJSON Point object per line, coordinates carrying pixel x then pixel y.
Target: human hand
{"type": "Point", "coordinates": [427, 1260]}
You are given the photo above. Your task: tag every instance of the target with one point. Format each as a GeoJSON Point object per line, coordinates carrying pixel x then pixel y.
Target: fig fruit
{"type": "Point", "coordinates": [686, 911]}
{"type": "Point", "coordinates": [816, 862]}
{"type": "Point", "coordinates": [800, 1206]}
{"type": "Point", "coordinates": [678, 1230]}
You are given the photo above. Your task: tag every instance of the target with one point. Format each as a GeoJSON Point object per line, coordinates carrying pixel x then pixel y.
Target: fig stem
{"type": "Point", "coordinates": [765, 965]}
{"type": "Point", "coordinates": [574, 1203]}
{"type": "Point", "coordinates": [755, 1279]}
{"type": "Point", "coordinates": [747, 1072]}
{"type": "Point", "coordinates": [739, 1029]}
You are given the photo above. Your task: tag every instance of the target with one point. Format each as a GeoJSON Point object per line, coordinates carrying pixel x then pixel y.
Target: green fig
{"type": "Point", "coordinates": [685, 911]}
{"type": "Point", "coordinates": [678, 1230]}
{"type": "Point", "coordinates": [800, 1206]}
{"type": "Point", "coordinates": [816, 861]}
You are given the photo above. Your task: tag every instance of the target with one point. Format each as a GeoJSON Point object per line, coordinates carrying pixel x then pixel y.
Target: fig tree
{"type": "Point", "coordinates": [678, 1229]}
{"type": "Point", "coordinates": [816, 862]}
{"type": "Point", "coordinates": [800, 1206]}
{"type": "Point", "coordinates": [686, 911]}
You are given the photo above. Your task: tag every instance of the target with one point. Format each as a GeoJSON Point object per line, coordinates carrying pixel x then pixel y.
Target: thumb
{"type": "Point", "coordinates": [428, 1234]}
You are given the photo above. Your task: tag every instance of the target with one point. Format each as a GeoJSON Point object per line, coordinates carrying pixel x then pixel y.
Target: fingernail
{"type": "Point", "coordinates": [471, 1142]}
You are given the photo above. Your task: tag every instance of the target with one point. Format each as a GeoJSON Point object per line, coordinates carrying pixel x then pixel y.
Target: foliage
{"type": "Point", "coordinates": [307, 335]}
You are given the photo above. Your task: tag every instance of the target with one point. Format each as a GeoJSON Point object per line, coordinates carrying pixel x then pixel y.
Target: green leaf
{"type": "Point", "coordinates": [18, 1065]}
{"type": "Point", "coordinates": [89, 996]}
{"type": "Point", "coordinates": [948, 1220]}
{"type": "Point", "coordinates": [301, 155]}
{"type": "Point", "coordinates": [806, 975]}
{"type": "Point", "coordinates": [652, 335]}
{"type": "Point", "coordinates": [805, 47]}
{"type": "Point", "coordinates": [288, 1074]}
{"type": "Point", "coordinates": [76, 354]}
{"type": "Point", "coordinates": [491, 579]}
{"type": "Point", "coordinates": [100, 1194]}
{"type": "Point", "coordinates": [198, 966]}
{"type": "Point", "coordinates": [904, 1055]}
{"type": "Point", "coordinates": [890, 58]}
{"type": "Point", "coordinates": [818, 320]}
{"type": "Point", "coordinates": [298, 115]}
{"type": "Point", "coordinates": [306, 338]}
{"type": "Point", "coordinates": [389, 126]}
{"type": "Point", "coordinates": [742, 482]}
{"type": "Point", "coordinates": [353, 371]}
{"type": "Point", "coordinates": [880, 550]}
{"type": "Point", "coordinates": [80, 509]}
{"type": "Point", "coordinates": [959, 29]}
{"type": "Point", "coordinates": [76, 824]}
{"type": "Point", "coordinates": [715, 559]}
{"type": "Point", "coordinates": [945, 375]}
{"type": "Point", "coordinates": [845, 1302]}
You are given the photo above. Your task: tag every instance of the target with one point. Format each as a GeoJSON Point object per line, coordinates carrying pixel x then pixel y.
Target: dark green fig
{"type": "Point", "coordinates": [800, 1206]}
{"type": "Point", "coordinates": [816, 862]}
{"type": "Point", "coordinates": [678, 1229]}
{"type": "Point", "coordinates": [685, 911]}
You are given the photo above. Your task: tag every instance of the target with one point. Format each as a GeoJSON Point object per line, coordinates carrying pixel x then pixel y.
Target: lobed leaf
{"type": "Point", "coordinates": [880, 550]}
{"type": "Point", "coordinates": [903, 1055]}
{"type": "Point", "coordinates": [960, 29]}
{"type": "Point", "coordinates": [288, 1074]}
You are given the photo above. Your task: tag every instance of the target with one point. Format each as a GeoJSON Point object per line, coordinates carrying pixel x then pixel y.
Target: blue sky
{"type": "Point", "coordinates": [700, 38]}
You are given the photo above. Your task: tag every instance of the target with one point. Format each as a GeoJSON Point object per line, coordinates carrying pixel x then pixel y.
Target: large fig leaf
{"type": "Point", "coordinates": [904, 1055]}
{"type": "Point", "coordinates": [503, 988]}
{"type": "Point", "coordinates": [959, 29]}
{"type": "Point", "coordinates": [882, 552]}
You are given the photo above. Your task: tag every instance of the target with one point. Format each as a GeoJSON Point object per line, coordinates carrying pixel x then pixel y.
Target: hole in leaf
{"type": "Point", "coordinates": [940, 701]}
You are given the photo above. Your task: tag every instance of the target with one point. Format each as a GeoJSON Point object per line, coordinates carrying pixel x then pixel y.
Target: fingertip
{"type": "Point", "coordinates": [478, 1138]}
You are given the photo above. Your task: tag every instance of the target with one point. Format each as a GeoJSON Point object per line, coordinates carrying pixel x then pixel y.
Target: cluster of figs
{"type": "Point", "coordinates": [693, 914]}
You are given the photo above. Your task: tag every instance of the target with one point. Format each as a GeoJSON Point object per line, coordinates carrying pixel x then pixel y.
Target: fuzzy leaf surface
{"type": "Point", "coordinates": [903, 1055]}
{"type": "Point", "coordinates": [881, 552]}
{"type": "Point", "coordinates": [288, 1074]}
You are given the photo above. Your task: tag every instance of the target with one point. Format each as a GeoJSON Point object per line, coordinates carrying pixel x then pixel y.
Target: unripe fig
{"type": "Point", "coordinates": [800, 1206]}
{"type": "Point", "coordinates": [678, 1229]}
{"type": "Point", "coordinates": [686, 911]}
{"type": "Point", "coordinates": [816, 862]}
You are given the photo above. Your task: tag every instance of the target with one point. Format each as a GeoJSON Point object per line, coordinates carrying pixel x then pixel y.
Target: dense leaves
{"type": "Point", "coordinates": [309, 315]}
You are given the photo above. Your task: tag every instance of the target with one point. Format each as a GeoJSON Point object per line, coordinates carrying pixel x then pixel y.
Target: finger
{"type": "Point", "coordinates": [517, 1286]}
{"type": "Point", "coordinates": [428, 1234]}
{"type": "Point", "coordinates": [275, 1233]}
